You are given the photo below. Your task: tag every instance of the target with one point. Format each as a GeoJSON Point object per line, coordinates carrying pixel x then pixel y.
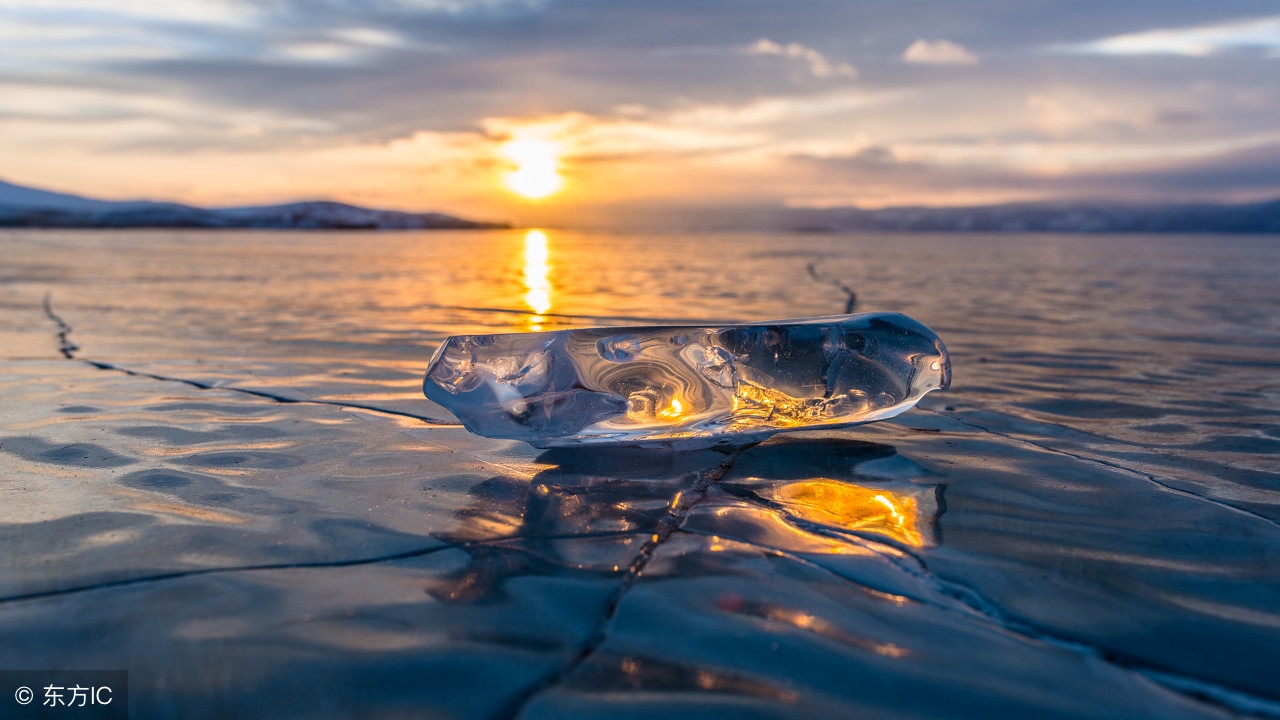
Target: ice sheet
{"type": "Point", "coordinates": [234, 489]}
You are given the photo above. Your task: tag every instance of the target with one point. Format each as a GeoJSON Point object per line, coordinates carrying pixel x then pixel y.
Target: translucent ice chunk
{"type": "Point", "coordinates": [687, 386]}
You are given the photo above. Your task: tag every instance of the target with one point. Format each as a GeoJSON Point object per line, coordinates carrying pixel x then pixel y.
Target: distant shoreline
{"type": "Point", "coordinates": [22, 207]}
{"type": "Point", "coordinates": [25, 207]}
{"type": "Point", "coordinates": [1042, 217]}
{"type": "Point", "coordinates": [295, 216]}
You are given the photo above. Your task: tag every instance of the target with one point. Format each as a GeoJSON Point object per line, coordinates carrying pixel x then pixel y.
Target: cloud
{"type": "Point", "coordinates": [1200, 41]}
{"type": "Point", "coordinates": [938, 52]}
{"type": "Point", "coordinates": [584, 137]}
{"type": "Point", "coordinates": [458, 7]}
{"type": "Point", "coordinates": [201, 12]}
{"type": "Point", "coordinates": [405, 100]}
{"type": "Point", "coordinates": [876, 178]}
{"type": "Point", "coordinates": [758, 129]}
{"type": "Point", "coordinates": [1066, 157]}
{"type": "Point", "coordinates": [819, 66]}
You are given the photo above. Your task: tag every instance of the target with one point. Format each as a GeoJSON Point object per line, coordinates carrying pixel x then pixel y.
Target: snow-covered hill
{"type": "Point", "coordinates": [28, 207]}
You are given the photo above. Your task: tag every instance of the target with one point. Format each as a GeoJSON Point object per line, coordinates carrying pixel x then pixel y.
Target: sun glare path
{"type": "Point", "coordinates": [536, 277]}
{"type": "Point", "coordinates": [537, 173]}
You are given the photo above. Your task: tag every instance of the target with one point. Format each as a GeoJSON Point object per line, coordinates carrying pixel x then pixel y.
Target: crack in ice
{"type": "Point", "coordinates": [1108, 464]}
{"type": "Point", "coordinates": [851, 297]}
{"type": "Point", "coordinates": [68, 350]}
{"type": "Point", "coordinates": [678, 512]}
{"type": "Point", "coordinates": [976, 608]}
{"type": "Point", "coordinates": [283, 399]}
{"type": "Point", "coordinates": [65, 346]}
{"type": "Point", "coordinates": [373, 560]}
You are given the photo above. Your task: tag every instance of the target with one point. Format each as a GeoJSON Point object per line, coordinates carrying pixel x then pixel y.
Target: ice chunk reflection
{"type": "Point", "coordinates": [799, 496]}
{"type": "Point", "coordinates": [904, 514]}
{"type": "Point", "coordinates": [858, 488]}
{"type": "Point", "coordinates": [687, 386]}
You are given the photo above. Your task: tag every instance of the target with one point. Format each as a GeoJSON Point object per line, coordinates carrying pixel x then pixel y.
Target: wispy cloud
{"type": "Point", "coordinates": [403, 102]}
{"type": "Point", "coordinates": [819, 66]}
{"type": "Point", "coordinates": [938, 52]}
{"type": "Point", "coordinates": [468, 6]}
{"type": "Point", "coordinates": [202, 11]}
{"type": "Point", "coordinates": [1199, 41]}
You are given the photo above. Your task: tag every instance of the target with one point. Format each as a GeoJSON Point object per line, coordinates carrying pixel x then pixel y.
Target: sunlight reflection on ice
{"type": "Point", "coordinates": [536, 277]}
{"type": "Point", "coordinates": [878, 510]}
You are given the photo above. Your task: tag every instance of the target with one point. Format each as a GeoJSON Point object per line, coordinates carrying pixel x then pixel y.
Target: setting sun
{"type": "Point", "coordinates": [537, 168]}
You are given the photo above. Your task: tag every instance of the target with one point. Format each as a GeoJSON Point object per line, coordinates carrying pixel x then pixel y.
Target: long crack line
{"type": "Point", "coordinates": [68, 350]}
{"type": "Point", "coordinates": [283, 399]}
{"type": "Point", "coordinates": [675, 518]}
{"type": "Point", "coordinates": [65, 346]}
{"type": "Point", "coordinates": [978, 609]}
{"type": "Point", "coordinates": [1108, 464]}
{"type": "Point", "coordinates": [373, 560]}
{"type": "Point", "coordinates": [851, 297]}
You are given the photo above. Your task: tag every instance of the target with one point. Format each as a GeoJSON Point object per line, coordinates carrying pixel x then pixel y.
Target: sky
{"type": "Point", "coordinates": [524, 110]}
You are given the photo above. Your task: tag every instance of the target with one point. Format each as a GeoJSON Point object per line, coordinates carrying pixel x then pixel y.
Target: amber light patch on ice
{"type": "Point", "coordinates": [876, 510]}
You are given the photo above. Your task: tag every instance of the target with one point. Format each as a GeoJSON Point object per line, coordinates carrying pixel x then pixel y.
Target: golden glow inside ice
{"type": "Point", "coordinates": [755, 405]}
{"type": "Point", "coordinates": [537, 279]}
{"type": "Point", "coordinates": [537, 172]}
{"type": "Point", "coordinates": [867, 509]}
{"type": "Point", "coordinates": [648, 407]}
{"type": "Point", "coordinates": [675, 410]}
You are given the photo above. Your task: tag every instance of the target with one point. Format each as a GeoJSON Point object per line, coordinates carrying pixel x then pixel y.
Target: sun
{"type": "Point", "coordinates": [537, 172]}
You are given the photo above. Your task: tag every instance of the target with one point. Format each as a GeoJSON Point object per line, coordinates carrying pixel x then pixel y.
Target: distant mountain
{"type": "Point", "coordinates": [1059, 217]}
{"type": "Point", "coordinates": [16, 196]}
{"type": "Point", "coordinates": [1062, 217]}
{"type": "Point", "coordinates": [29, 207]}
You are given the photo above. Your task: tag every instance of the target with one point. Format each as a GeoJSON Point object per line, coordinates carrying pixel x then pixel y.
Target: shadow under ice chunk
{"type": "Point", "coordinates": [687, 386]}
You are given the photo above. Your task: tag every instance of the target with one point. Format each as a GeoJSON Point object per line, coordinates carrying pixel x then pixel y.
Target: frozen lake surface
{"type": "Point", "coordinates": [218, 472]}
